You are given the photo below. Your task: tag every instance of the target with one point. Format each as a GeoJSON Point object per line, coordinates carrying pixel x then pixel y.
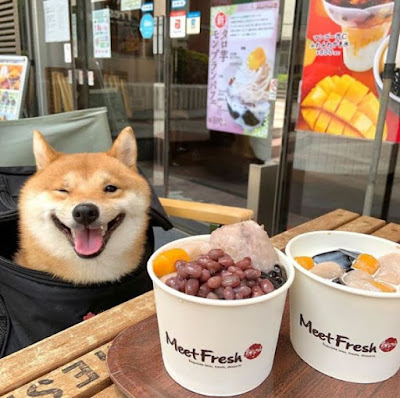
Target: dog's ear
{"type": "Point", "coordinates": [125, 148]}
{"type": "Point", "coordinates": [44, 153]}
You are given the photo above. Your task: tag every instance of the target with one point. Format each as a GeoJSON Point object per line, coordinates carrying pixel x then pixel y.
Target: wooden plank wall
{"type": "Point", "coordinates": [10, 42]}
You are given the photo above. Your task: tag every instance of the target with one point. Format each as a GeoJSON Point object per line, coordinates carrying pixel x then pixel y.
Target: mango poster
{"type": "Point", "coordinates": [345, 52]}
{"type": "Point", "coordinates": [241, 64]}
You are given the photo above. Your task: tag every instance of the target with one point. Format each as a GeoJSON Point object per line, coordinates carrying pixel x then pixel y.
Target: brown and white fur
{"type": "Point", "coordinates": [53, 237]}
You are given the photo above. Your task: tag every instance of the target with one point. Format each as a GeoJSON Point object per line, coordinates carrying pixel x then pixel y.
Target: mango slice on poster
{"type": "Point", "coordinates": [341, 105]}
{"type": "Point", "coordinates": [310, 53]}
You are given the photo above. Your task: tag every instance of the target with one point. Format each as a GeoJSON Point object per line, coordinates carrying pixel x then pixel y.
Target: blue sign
{"type": "Point", "coordinates": [178, 3]}
{"type": "Point", "coordinates": [147, 7]}
{"type": "Point", "coordinates": [193, 23]}
{"type": "Point", "coordinates": [147, 26]}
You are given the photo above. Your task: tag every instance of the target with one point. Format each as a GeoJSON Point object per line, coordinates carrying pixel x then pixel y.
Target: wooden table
{"type": "Point", "coordinates": [72, 363]}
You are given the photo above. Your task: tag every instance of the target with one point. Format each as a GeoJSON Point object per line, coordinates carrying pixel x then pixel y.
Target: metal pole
{"type": "Point", "coordinates": [167, 93]}
{"type": "Point", "coordinates": [388, 75]}
{"type": "Point", "coordinates": [281, 200]}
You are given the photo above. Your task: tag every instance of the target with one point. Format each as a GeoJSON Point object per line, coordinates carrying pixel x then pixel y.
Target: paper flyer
{"type": "Point", "coordinates": [127, 5]}
{"type": "Point", "coordinates": [101, 33]}
{"type": "Point", "coordinates": [345, 52]}
{"type": "Point", "coordinates": [241, 61]}
{"type": "Point", "coordinates": [56, 21]}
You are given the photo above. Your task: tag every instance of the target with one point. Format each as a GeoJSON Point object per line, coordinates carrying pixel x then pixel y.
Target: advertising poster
{"type": "Point", "coordinates": [13, 72]}
{"type": "Point", "coordinates": [101, 33]}
{"type": "Point", "coordinates": [241, 64]}
{"type": "Point", "coordinates": [346, 47]}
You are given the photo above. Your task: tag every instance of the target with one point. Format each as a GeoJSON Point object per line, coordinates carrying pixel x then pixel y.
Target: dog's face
{"type": "Point", "coordinates": [86, 214]}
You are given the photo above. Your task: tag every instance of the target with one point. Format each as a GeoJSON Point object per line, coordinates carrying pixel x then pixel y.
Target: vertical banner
{"type": "Point", "coordinates": [346, 48]}
{"type": "Point", "coordinates": [242, 57]}
{"type": "Point", "coordinates": [101, 34]}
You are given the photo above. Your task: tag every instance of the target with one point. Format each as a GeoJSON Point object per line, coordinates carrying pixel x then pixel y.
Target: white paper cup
{"type": "Point", "coordinates": [206, 344]}
{"type": "Point", "coordinates": [345, 333]}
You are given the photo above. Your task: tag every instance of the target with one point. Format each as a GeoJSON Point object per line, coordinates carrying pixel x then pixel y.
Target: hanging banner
{"type": "Point", "coordinates": [101, 33]}
{"type": "Point", "coordinates": [241, 65]}
{"type": "Point", "coordinates": [346, 48]}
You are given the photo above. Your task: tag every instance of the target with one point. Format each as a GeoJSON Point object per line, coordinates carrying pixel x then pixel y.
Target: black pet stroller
{"type": "Point", "coordinates": [33, 304]}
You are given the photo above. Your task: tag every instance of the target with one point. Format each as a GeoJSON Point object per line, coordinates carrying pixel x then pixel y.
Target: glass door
{"type": "Point", "coordinates": [117, 69]}
{"type": "Point", "coordinates": [91, 54]}
{"type": "Point", "coordinates": [226, 101]}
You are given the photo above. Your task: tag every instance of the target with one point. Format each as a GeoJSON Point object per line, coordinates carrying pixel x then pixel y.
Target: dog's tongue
{"type": "Point", "coordinates": [88, 241]}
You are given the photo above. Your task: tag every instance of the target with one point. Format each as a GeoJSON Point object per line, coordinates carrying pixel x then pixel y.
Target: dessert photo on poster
{"type": "Point", "coordinates": [345, 51]}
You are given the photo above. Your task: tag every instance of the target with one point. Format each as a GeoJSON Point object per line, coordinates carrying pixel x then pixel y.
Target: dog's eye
{"type": "Point", "coordinates": [110, 188]}
{"type": "Point", "coordinates": [62, 190]}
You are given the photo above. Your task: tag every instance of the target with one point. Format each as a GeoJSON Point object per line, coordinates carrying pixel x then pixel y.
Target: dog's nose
{"type": "Point", "coordinates": [85, 213]}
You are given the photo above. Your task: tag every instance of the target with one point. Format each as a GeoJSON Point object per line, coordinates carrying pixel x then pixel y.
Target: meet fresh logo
{"type": "Point", "coordinates": [209, 357]}
{"type": "Point", "coordinates": [343, 342]}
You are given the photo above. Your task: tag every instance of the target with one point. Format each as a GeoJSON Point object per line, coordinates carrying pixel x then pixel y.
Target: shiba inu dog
{"type": "Point", "coordinates": [83, 217]}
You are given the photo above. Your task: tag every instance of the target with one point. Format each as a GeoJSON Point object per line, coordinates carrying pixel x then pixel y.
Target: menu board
{"type": "Point", "coordinates": [346, 48]}
{"type": "Point", "coordinates": [13, 76]}
{"type": "Point", "coordinates": [241, 65]}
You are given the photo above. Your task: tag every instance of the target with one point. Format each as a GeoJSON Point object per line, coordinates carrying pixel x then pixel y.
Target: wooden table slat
{"type": "Point", "coordinates": [329, 221]}
{"type": "Point", "coordinates": [390, 231]}
{"type": "Point", "coordinates": [363, 224]}
{"type": "Point", "coordinates": [110, 392]}
{"type": "Point", "coordinates": [81, 377]}
{"type": "Point", "coordinates": [53, 352]}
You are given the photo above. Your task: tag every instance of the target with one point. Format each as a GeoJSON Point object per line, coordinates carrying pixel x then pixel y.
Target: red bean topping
{"type": "Point", "coordinates": [244, 264]}
{"type": "Point", "coordinates": [226, 261]}
{"type": "Point", "coordinates": [251, 283]}
{"type": "Point", "coordinates": [205, 275]}
{"type": "Point", "coordinates": [213, 266]}
{"type": "Point", "coordinates": [219, 291]}
{"type": "Point", "coordinates": [179, 263]}
{"type": "Point", "coordinates": [213, 296]}
{"type": "Point", "coordinates": [252, 274]}
{"type": "Point", "coordinates": [203, 260]}
{"type": "Point", "coordinates": [172, 282]}
{"type": "Point", "coordinates": [266, 286]}
{"type": "Point", "coordinates": [215, 254]}
{"type": "Point", "coordinates": [181, 270]}
{"type": "Point", "coordinates": [256, 291]}
{"type": "Point", "coordinates": [193, 269]}
{"type": "Point", "coordinates": [236, 270]}
{"type": "Point", "coordinates": [181, 283]}
{"type": "Point", "coordinates": [216, 276]}
{"type": "Point", "coordinates": [245, 291]}
{"type": "Point", "coordinates": [214, 282]}
{"type": "Point", "coordinates": [192, 287]}
{"type": "Point", "coordinates": [204, 290]}
{"type": "Point", "coordinates": [230, 280]}
{"type": "Point", "coordinates": [228, 293]}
